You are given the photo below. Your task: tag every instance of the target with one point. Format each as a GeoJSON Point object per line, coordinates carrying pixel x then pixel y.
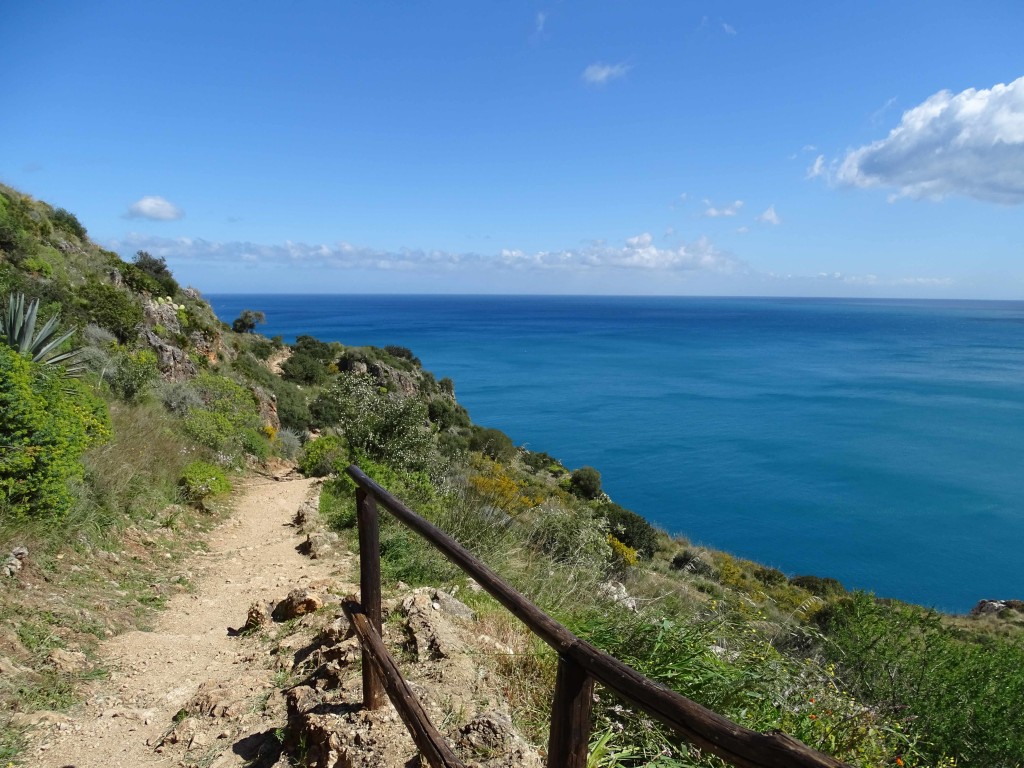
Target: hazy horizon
{"type": "Point", "coordinates": [556, 148]}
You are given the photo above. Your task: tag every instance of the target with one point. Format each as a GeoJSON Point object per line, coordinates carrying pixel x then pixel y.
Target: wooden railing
{"type": "Point", "coordinates": [580, 665]}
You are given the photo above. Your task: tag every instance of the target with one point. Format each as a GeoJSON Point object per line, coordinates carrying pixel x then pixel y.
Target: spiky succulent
{"type": "Point", "coordinates": [19, 332]}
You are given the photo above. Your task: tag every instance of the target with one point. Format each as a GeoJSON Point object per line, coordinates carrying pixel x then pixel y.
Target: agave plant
{"type": "Point", "coordinates": [19, 332]}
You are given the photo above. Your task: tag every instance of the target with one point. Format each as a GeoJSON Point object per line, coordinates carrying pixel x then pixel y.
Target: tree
{"type": "Point", "coordinates": [156, 267]}
{"type": "Point", "coordinates": [247, 321]}
{"type": "Point", "coordinates": [586, 483]}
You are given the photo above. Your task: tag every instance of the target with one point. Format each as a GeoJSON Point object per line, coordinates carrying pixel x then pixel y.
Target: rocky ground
{"type": "Point", "coordinates": [255, 667]}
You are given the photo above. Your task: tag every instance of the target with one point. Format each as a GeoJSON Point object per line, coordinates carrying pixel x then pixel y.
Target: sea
{"type": "Point", "coordinates": [878, 442]}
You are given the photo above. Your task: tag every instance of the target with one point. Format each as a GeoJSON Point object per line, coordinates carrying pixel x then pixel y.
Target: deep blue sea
{"type": "Point", "coordinates": [877, 442]}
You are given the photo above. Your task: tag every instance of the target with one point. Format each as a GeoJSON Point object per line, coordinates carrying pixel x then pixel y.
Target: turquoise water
{"type": "Point", "coordinates": [877, 442]}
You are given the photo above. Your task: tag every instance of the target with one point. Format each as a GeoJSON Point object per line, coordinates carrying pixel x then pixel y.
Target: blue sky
{"type": "Point", "coordinates": [805, 148]}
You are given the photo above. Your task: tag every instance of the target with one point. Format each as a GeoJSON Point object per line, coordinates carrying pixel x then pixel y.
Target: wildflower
{"type": "Point", "coordinates": [899, 761]}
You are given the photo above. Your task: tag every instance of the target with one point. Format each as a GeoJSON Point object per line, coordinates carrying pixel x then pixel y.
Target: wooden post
{"type": "Point", "coordinates": [369, 589]}
{"type": "Point", "coordinates": [569, 743]}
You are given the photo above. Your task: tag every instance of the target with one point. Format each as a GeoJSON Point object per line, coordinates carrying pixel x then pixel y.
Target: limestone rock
{"type": "Point", "coordinates": [616, 592]}
{"type": "Point", "coordinates": [298, 603]}
{"type": "Point", "coordinates": [267, 402]}
{"type": "Point", "coordinates": [257, 617]}
{"type": "Point", "coordinates": [68, 662]}
{"type": "Point", "coordinates": [986, 607]}
{"type": "Point", "coordinates": [320, 544]}
{"type": "Point", "coordinates": [173, 362]}
{"type": "Point", "coordinates": [492, 736]}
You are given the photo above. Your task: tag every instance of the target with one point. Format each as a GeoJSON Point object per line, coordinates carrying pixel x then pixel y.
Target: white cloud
{"type": "Point", "coordinates": [878, 114]}
{"type": "Point", "coordinates": [818, 168]}
{"type": "Point", "coordinates": [970, 143]}
{"type": "Point", "coordinates": [729, 29]}
{"type": "Point", "coordinates": [923, 281]}
{"type": "Point", "coordinates": [155, 208]}
{"type": "Point", "coordinates": [840, 277]}
{"type": "Point", "coordinates": [539, 21]}
{"type": "Point", "coordinates": [599, 74]}
{"type": "Point", "coordinates": [729, 210]}
{"type": "Point", "coordinates": [637, 253]}
{"type": "Point", "coordinates": [770, 217]}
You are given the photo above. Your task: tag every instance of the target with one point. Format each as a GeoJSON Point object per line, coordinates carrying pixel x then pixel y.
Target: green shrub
{"type": "Point", "coordinates": [212, 430]}
{"type": "Point", "coordinates": [68, 222]}
{"type": "Point", "coordinates": [310, 346]}
{"type": "Point", "coordinates": [37, 266]}
{"type": "Point", "coordinates": [692, 561]}
{"type": "Point", "coordinates": [201, 480]}
{"type": "Point", "coordinates": [292, 409]}
{"type": "Point", "coordinates": [323, 456]}
{"type": "Point", "coordinates": [961, 692]}
{"type": "Point", "coordinates": [155, 267]}
{"type": "Point", "coordinates": [261, 348]}
{"type": "Point", "coordinates": [383, 427]}
{"type": "Point", "coordinates": [492, 443]}
{"type": "Point", "coordinates": [254, 442]}
{"type": "Point", "coordinates": [139, 281]}
{"type": "Point", "coordinates": [816, 585]}
{"type": "Point", "coordinates": [111, 308]}
{"type": "Point", "coordinates": [304, 369]}
{"type": "Point", "coordinates": [629, 528]}
{"type": "Point", "coordinates": [288, 443]}
{"type": "Point", "coordinates": [132, 374]}
{"type": "Point", "coordinates": [403, 353]}
{"type": "Point", "coordinates": [228, 420]}
{"type": "Point", "coordinates": [447, 413]}
{"type": "Point", "coordinates": [539, 461]}
{"type": "Point", "coordinates": [571, 537]}
{"type": "Point", "coordinates": [327, 410]}
{"type": "Point", "coordinates": [247, 321]}
{"type": "Point", "coordinates": [585, 482]}
{"type": "Point", "coordinates": [48, 422]}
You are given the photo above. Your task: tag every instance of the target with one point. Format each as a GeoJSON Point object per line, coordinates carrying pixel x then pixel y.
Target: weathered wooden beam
{"type": "Point", "coordinates": [569, 740]}
{"type": "Point", "coordinates": [369, 587]}
{"type": "Point", "coordinates": [698, 725]}
{"type": "Point", "coordinates": [428, 740]}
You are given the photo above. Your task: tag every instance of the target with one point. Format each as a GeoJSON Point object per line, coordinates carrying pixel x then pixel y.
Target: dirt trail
{"type": "Point", "coordinates": [252, 556]}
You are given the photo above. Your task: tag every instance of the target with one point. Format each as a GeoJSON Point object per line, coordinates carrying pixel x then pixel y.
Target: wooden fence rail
{"type": "Point", "coordinates": [579, 665]}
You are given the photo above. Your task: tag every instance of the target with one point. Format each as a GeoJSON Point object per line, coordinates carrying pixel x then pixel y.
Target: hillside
{"type": "Point", "coordinates": [107, 479]}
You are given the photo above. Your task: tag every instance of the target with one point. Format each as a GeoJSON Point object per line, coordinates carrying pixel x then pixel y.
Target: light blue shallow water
{"type": "Point", "coordinates": [877, 442]}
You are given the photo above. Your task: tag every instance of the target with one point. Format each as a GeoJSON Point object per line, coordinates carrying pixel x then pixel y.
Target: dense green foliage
{"type": "Point", "coordinates": [629, 528]}
{"type": "Point", "coordinates": [247, 321]}
{"type": "Point", "coordinates": [492, 443]}
{"type": "Point", "coordinates": [48, 423]}
{"type": "Point", "coordinates": [68, 222]}
{"type": "Point", "coordinates": [112, 308]}
{"type": "Point", "coordinates": [963, 690]}
{"type": "Point", "coordinates": [227, 421]}
{"type": "Point", "coordinates": [155, 268]}
{"type": "Point", "coordinates": [585, 482]}
{"type": "Point", "coordinates": [378, 425]}
{"type": "Point", "coordinates": [304, 369]}
{"type": "Point", "coordinates": [202, 480]}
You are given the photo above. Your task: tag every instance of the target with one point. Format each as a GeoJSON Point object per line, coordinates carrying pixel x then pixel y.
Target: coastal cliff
{"type": "Point", "coordinates": [172, 407]}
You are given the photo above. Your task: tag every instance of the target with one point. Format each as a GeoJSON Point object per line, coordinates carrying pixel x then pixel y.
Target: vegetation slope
{"type": "Point", "coordinates": [104, 475]}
